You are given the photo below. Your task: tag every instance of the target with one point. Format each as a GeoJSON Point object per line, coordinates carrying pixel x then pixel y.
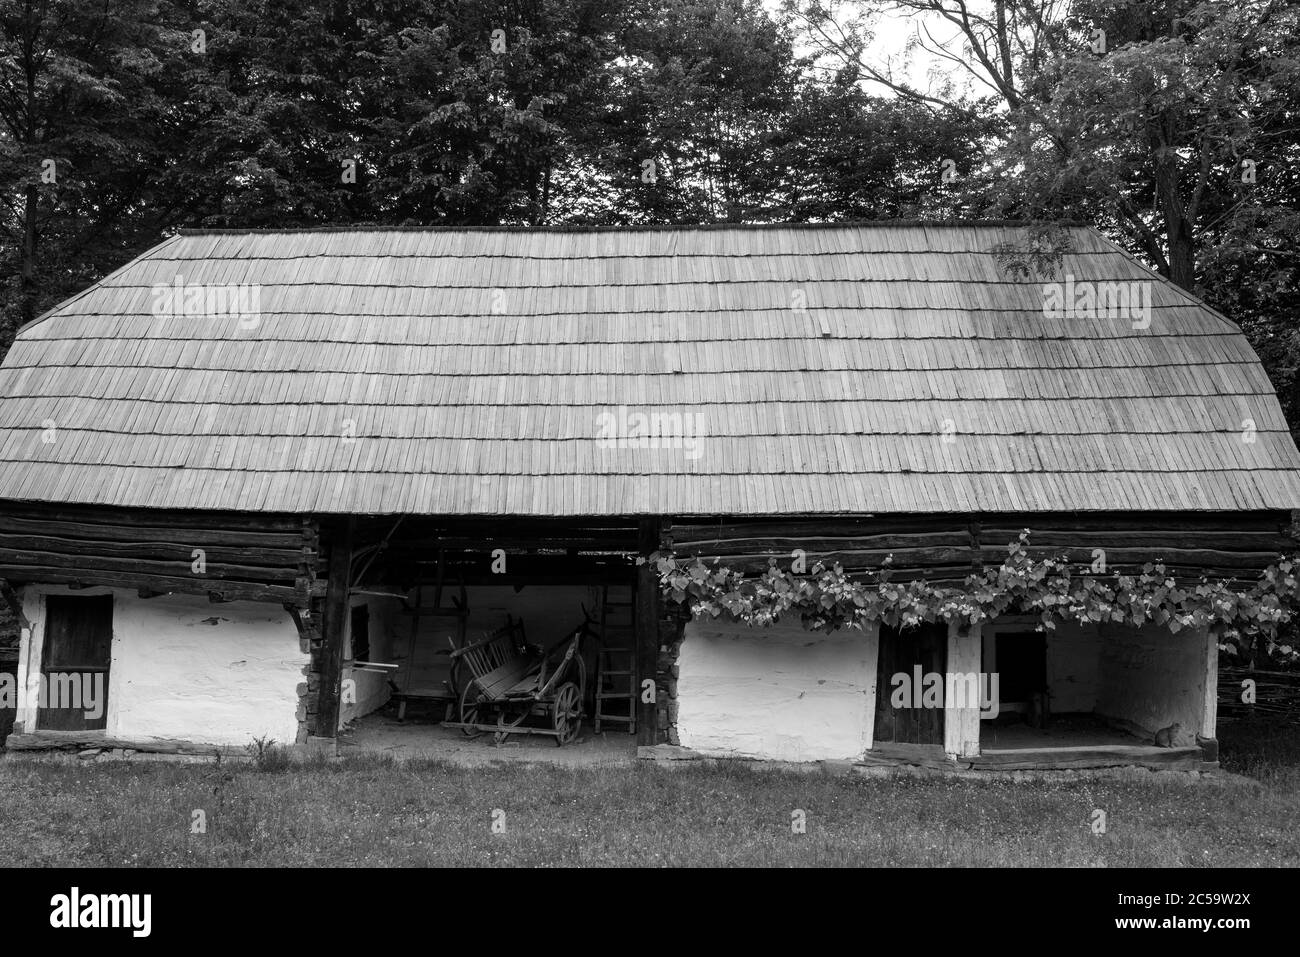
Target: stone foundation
{"type": "Point", "coordinates": [671, 630]}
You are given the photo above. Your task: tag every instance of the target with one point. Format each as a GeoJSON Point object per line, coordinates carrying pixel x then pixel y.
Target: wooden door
{"type": "Point", "coordinates": [901, 653]}
{"type": "Point", "coordinates": [78, 642]}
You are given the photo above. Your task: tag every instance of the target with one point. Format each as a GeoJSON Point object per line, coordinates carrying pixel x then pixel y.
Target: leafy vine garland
{"type": "Point", "coordinates": [827, 599]}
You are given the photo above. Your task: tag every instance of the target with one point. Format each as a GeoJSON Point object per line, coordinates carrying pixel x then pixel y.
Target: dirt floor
{"type": "Point", "coordinates": [422, 738]}
{"type": "Point", "coordinates": [1062, 731]}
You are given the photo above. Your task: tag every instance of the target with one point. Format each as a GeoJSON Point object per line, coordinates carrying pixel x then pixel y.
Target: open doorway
{"type": "Point", "coordinates": [548, 659]}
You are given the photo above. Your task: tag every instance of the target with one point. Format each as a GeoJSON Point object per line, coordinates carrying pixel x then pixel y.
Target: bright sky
{"type": "Point", "coordinates": [892, 33]}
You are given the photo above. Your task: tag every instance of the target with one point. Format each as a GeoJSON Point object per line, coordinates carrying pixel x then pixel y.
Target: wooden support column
{"type": "Point", "coordinates": [1208, 739]}
{"type": "Point", "coordinates": [336, 615]}
{"type": "Point", "coordinates": [647, 632]}
{"type": "Point", "coordinates": [961, 719]}
{"type": "Point", "coordinates": [871, 652]}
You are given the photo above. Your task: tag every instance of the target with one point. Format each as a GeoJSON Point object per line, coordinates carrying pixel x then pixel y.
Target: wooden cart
{"type": "Point", "coordinates": [502, 681]}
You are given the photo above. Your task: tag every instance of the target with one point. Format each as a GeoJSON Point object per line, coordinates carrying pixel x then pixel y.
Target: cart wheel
{"type": "Point", "coordinates": [567, 713]}
{"type": "Point", "coordinates": [469, 711]}
{"type": "Point", "coordinates": [458, 678]}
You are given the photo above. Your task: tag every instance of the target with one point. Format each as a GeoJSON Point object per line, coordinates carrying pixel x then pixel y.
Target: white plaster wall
{"type": "Point", "coordinates": [183, 667]}
{"type": "Point", "coordinates": [371, 688]}
{"type": "Point", "coordinates": [1073, 660]}
{"type": "Point", "coordinates": [1152, 677]}
{"type": "Point", "coordinates": [780, 693]}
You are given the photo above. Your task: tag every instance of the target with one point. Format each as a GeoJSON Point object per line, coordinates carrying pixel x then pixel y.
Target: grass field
{"type": "Point", "coordinates": [368, 811]}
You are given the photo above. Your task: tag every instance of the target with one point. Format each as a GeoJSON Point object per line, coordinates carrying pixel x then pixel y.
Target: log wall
{"type": "Point", "coordinates": [245, 557]}
{"type": "Point", "coordinates": [947, 548]}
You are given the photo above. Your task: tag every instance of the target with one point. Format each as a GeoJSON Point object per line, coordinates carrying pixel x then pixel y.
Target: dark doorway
{"type": "Point", "coordinates": [902, 653]}
{"type": "Point", "coordinates": [75, 657]}
{"type": "Point", "coordinates": [361, 633]}
{"type": "Point", "coordinates": [1020, 658]}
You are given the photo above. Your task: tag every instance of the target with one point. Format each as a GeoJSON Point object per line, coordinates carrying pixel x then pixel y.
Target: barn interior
{"type": "Point", "coordinates": [428, 595]}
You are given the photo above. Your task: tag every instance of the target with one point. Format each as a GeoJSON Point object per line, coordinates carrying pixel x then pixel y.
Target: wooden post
{"type": "Point", "coordinates": [647, 632]}
{"type": "Point", "coordinates": [961, 719]}
{"type": "Point", "coordinates": [336, 615]}
{"type": "Point", "coordinates": [871, 643]}
{"type": "Point", "coordinates": [1208, 738]}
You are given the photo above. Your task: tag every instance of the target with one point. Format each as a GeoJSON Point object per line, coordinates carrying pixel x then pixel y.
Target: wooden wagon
{"type": "Point", "coordinates": [502, 681]}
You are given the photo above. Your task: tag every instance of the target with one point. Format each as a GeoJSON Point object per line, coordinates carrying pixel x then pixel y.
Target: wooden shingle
{"type": "Point", "coordinates": [797, 369]}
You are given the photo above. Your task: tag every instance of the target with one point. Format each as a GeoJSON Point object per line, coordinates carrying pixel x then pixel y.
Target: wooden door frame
{"type": "Point", "coordinates": [961, 726]}
{"type": "Point", "coordinates": [885, 688]}
{"type": "Point", "coordinates": [35, 708]}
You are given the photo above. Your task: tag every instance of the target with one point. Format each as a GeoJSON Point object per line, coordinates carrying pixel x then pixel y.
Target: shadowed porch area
{"type": "Point", "coordinates": [1075, 741]}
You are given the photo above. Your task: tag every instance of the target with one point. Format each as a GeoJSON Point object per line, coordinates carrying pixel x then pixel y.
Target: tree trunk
{"type": "Point", "coordinates": [1178, 230]}
{"type": "Point", "coordinates": [1182, 254]}
{"type": "Point", "coordinates": [29, 255]}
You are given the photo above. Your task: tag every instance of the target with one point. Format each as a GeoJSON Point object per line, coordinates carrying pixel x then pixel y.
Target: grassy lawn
{"type": "Point", "coordinates": [372, 812]}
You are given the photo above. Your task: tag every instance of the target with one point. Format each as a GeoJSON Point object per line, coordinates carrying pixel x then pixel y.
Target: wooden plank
{"type": "Point", "coordinates": [15, 606]}
{"type": "Point", "coordinates": [885, 723]}
{"type": "Point", "coordinates": [1260, 520]}
{"type": "Point", "coordinates": [91, 562]}
{"type": "Point", "coordinates": [1210, 692]}
{"type": "Point", "coordinates": [173, 518]}
{"type": "Point", "coordinates": [174, 550]}
{"type": "Point", "coordinates": [994, 525]}
{"type": "Point", "coordinates": [1245, 539]}
{"type": "Point", "coordinates": [892, 754]}
{"type": "Point", "coordinates": [339, 586]}
{"type": "Point", "coordinates": [1097, 756]}
{"type": "Point", "coordinates": [871, 653]}
{"type": "Point", "coordinates": [903, 557]}
{"type": "Point", "coordinates": [80, 740]}
{"type": "Point", "coordinates": [507, 677]}
{"type": "Point", "coordinates": [92, 531]}
{"type": "Point", "coordinates": [822, 543]}
{"type": "Point", "coordinates": [961, 728]}
{"type": "Point", "coordinates": [1118, 556]}
{"type": "Point", "coordinates": [686, 532]}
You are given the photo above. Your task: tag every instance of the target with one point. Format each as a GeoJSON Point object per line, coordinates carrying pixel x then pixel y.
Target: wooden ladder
{"type": "Point", "coordinates": [616, 683]}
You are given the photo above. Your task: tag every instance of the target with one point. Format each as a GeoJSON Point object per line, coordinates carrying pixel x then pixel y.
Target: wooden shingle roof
{"type": "Point", "coordinates": [859, 368]}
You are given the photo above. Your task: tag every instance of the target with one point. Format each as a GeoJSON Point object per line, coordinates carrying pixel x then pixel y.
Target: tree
{"type": "Point", "coordinates": [476, 113]}
{"type": "Point", "coordinates": [77, 108]}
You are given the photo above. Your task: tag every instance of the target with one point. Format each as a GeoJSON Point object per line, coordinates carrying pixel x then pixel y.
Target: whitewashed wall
{"type": "Point", "coordinates": [370, 688]}
{"type": "Point", "coordinates": [1151, 678]}
{"type": "Point", "coordinates": [780, 693]}
{"type": "Point", "coordinates": [186, 668]}
{"type": "Point", "coordinates": [1073, 660]}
